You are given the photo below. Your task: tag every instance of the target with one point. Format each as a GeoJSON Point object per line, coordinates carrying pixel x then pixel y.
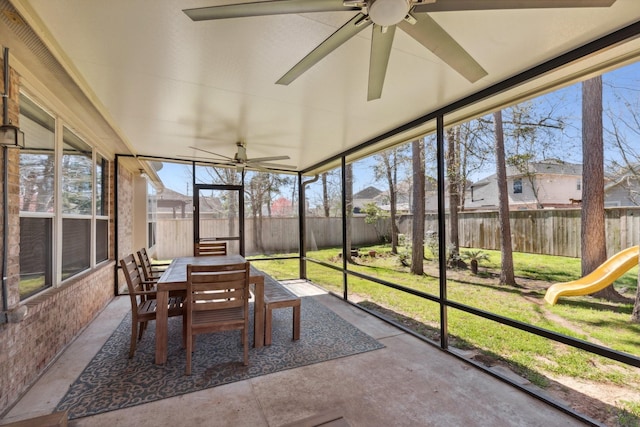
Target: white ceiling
{"type": "Point", "coordinates": [167, 83]}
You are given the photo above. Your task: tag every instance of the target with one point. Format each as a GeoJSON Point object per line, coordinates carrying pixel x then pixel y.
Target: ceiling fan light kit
{"type": "Point", "coordinates": [388, 12]}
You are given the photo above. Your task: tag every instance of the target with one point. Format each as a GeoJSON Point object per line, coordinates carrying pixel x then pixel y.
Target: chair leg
{"type": "Point", "coordinates": [134, 338]}
{"type": "Point", "coordinates": [184, 332]}
{"type": "Point", "coordinates": [189, 345]}
{"type": "Point", "coordinates": [143, 326]}
{"type": "Point", "coordinates": [245, 343]}
{"type": "Point", "coordinates": [268, 312]}
{"type": "Point", "coordinates": [296, 322]}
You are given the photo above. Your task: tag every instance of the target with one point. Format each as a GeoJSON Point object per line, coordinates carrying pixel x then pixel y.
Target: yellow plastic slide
{"type": "Point", "coordinates": [610, 271]}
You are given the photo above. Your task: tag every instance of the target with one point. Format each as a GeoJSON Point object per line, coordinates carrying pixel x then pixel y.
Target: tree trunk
{"type": "Point", "coordinates": [389, 170]}
{"type": "Point", "coordinates": [325, 196]}
{"type": "Point", "coordinates": [507, 276]}
{"type": "Point", "coordinates": [417, 232]}
{"type": "Point", "coordinates": [592, 232]}
{"type": "Point", "coordinates": [635, 315]}
{"type": "Point", "coordinates": [474, 266]}
{"type": "Point", "coordinates": [232, 213]}
{"type": "Point", "coordinates": [454, 195]}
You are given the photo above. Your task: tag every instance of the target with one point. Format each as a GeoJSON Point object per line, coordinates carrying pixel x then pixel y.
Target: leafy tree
{"type": "Point", "coordinates": [472, 145]}
{"type": "Point", "coordinates": [387, 168]}
{"type": "Point", "coordinates": [453, 176]}
{"type": "Point", "coordinates": [224, 176]}
{"type": "Point", "coordinates": [259, 191]}
{"type": "Point", "coordinates": [373, 216]}
{"type": "Point", "coordinates": [623, 137]}
{"type": "Point", "coordinates": [327, 201]}
{"type": "Point", "coordinates": [530, 132]}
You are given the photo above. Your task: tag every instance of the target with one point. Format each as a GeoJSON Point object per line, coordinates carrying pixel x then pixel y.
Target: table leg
{"type": "Point", "coordinates": [162, 300]}
{"type": "Point", "coordinates": [258, 315]}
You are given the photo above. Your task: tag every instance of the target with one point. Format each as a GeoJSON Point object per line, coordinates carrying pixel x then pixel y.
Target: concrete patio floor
{"type": "Point", "coordinates": [407, 383]}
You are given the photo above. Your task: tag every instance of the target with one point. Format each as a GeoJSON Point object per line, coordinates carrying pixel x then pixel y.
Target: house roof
{"type": "Point", "coordinates": [169, 194]}
{"type": "Point", "coordinates": [152, 82]}
{"type": "Point", "coordinates": [551, 167]}
{"type": "Point", "coordinates": [367, 193]}
{"type": "Point", "coordinates": [546, 167]}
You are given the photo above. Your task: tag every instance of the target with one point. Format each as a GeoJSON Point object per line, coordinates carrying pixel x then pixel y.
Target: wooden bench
{"type": "Point", "coordinates": [277, 296]}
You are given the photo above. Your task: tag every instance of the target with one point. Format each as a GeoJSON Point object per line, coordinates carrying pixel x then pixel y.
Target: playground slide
{"type": "Point", "coordinates": [610, 271]}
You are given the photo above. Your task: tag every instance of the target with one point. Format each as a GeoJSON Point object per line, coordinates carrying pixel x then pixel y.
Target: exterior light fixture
{"type": "Point", "coordinates": [11, 135]}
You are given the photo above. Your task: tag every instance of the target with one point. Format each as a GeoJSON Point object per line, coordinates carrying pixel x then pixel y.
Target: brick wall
{"type": "Point", "coordinates": [13, 239]}
{"type": "Point", "coordinates": [55, 316]}
{"type": "Point", "coordinates": [53, 319]}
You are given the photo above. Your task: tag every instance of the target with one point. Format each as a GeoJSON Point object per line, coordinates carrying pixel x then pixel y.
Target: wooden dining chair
{"type": "Point", "coordinates": [143, 301]}
{"type": "Point", "coordinates": [217, 300]}
{"type": "Point", "coordinates": [210, 249]}
{"type": "Point", "coordinates": [150, 271]}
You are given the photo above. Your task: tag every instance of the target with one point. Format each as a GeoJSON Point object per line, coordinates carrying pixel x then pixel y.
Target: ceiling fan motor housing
{"type": "Point", "coordinates": [388, 12]}
{"type": "Point", "coordinates": [241, 154]}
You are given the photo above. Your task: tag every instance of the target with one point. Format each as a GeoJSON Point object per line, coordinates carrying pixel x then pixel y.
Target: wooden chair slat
{"type": "Point", "coordinates": [210, 249]}
{"type": "Point", "coordinates": [143, 302]}
{"type": "Point", "coordinates": [217, 300]}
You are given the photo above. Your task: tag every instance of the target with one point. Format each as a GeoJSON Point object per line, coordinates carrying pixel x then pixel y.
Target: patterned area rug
{"type": "Point", "coordinates": [113, 381]}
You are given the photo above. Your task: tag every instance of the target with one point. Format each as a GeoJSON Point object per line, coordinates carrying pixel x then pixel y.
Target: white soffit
{"type": "Point", "coordinates": [169, 83]}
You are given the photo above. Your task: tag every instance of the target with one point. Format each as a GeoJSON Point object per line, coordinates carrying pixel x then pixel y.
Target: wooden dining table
{"type": "Point", "coordinates": [174, 278]}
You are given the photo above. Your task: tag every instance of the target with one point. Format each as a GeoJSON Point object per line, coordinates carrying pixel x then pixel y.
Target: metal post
{"type": "Point", "coordinates": [442, 244]}
{"type": "Point", "coordinates": [344, 229]}
{"type": "Point", "coordinates": [302, 228]}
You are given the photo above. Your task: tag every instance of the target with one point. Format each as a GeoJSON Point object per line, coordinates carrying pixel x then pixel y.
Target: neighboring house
{"type": "Point", "coordinates": [363, 197]}
{"type": "Point", "coordinates": [431, 195]}
{"type": "Point", "coordinates": [622, 189]}
{"type": "Point", "coordinates": [171, 204]}
{"type": "Point", "coordinates": [546, 184]}
{"type": "Point", "coordinates": [403, 198]}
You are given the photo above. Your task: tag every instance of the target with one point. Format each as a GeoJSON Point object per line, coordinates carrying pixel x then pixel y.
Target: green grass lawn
{"type": "Point", "coordinates": [539, 359]}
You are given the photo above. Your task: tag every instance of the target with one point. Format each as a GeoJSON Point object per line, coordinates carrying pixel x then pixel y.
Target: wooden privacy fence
{"type": "Point", "coordinates": [279, 235]}
{"type": "Point", "coordinates": [544, 231]}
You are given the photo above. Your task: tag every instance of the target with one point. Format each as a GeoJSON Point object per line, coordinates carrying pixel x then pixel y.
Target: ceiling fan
{"type": "Point", "coordinates": [410, 15]}
{"type": "Point", "coordinates": [240, 160]}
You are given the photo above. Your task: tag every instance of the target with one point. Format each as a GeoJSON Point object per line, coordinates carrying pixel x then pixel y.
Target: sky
{"type": "Point", "coordinates": [624, 82]}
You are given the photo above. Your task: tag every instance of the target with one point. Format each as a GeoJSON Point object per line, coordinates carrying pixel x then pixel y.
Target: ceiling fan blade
{"type": "Point", "coordinates": [335, 40]}
{"type": "Point", "coordinates": [277, 166]}
{"type": "Point", "coordinates": [259, 168]}
{"type": "Point", "coordinates": [211, 152]}
{"type": "Point", "coordinates": [432, 36]}
{"type": "Point", "coordinates": [276, 7]}
{"type": "Point", "coordinates": [381, 43]}
{"type": "Point", "coordinates": [267, 159]}
{"type": "Point", "coordinates": [453, 5]}
{"type": "Point", "coordinates": [207, 159]}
